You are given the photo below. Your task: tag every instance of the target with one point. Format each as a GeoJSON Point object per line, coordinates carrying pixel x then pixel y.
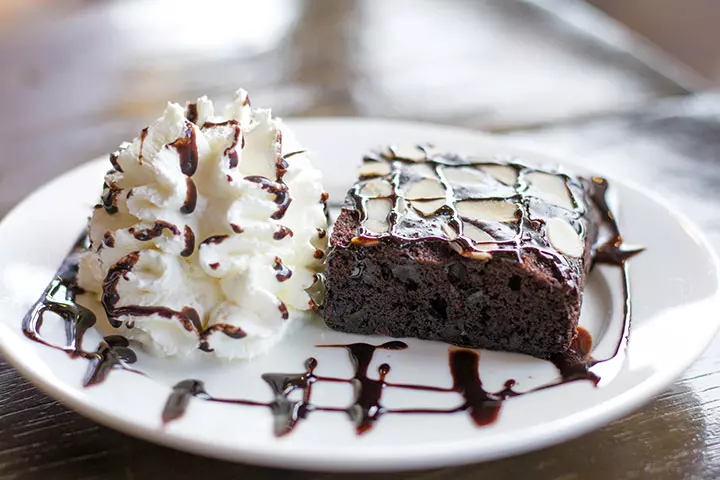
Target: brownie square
{"type": "Point", "coordinates": [481, 252]}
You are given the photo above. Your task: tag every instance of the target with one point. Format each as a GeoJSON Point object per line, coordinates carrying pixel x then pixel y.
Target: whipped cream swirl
{"type": "Point", "coordinates": [210, 230]}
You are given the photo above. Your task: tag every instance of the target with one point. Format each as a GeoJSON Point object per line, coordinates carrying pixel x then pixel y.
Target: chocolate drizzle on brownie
{"type": "Point", "coordinates": [407, 223]}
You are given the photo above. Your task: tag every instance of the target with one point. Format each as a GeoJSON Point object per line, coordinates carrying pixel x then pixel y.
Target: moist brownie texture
{"type": "Point", "coordinates": [482, 252]}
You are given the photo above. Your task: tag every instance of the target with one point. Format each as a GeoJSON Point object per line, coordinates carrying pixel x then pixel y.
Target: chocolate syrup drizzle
{"type": "Point", "coordinates": [112, 353]}
{"type": "Point", "coordinates": [406, 226]}
{"type": "Point", "coordinates": [186, 147]}
{"type": "Point", "coordinates": [366, 409]}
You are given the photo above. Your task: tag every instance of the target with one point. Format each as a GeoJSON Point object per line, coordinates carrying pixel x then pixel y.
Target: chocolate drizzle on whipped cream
{"type": "Point", "coordinates": [187, 150]}
{"type": "Point", "coordinates": [188, 316]}
{"type": "Point", "coordinates": [190, 203]}
{"type": "Point", "coordinates": [278, 189]}
{"type": "Point", "coordinates": [282, 232]}
{"type": "Point", "coordinates": [229, 330]}
{"type": "Point", "coordinates": [283, 273]}
{"type": "Point", "coordinates": [186, 173]}
{"type": "Point", "coordinates": [155, 231]}
{"type": "Point", "coordinates": [231, 151]}
{"type": "Point", "coordinates": [109, 198]}
{"type": "Point", "coordinates": [189, 242]}
{"type": "Point", "coordinates": [191, 112]}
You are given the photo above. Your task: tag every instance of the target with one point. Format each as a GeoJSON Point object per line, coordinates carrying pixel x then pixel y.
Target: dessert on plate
{"type": "Point", "coordinates": [480, 252]}
{"type": "Point", "coordinates": [209, 231]}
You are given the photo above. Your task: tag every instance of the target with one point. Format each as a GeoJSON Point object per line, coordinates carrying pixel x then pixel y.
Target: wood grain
{"type": "Point", "coordinates": [76, 78]}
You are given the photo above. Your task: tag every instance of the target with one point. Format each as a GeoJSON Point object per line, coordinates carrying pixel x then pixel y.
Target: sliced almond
{"type": "Point", "coordinates": [479, 237]}
{"type": "Point", "coordinates": [374, 169]}
{"type": "Point", "coordinates": [477, 255]}
{"type": "Point", "coordinates": [377, 211]}
{"type": "Point", "coordinates": [405, 152]}
{"type": "Point", "coordinates": [488, 210]}
{"type": "Point", "coordinates": [449, 231]}
{"type": "Point", "coordinates": [427, 188]}
{"type": "Point", "coordinates": [377, 188]}
{"type": "Point", "coordinates": [464, 175]}
{"type": "Point", "coordinates": [503, 173]}
{"type": "Point", "coordinates": [564, 238]}
{"type": "Point", "coordinates": [474, 254]}
{"type": "Point", "coordinates": [402, 206]}
{"type": "Point", "coordinates": [428, 207]}
{"type": "Point", "coordinates": [551, 187]}
{"type": "Point", "coordinates": [421, 170]}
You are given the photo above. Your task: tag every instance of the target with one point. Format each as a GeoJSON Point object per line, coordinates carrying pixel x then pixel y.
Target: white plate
{"type": "Point", "coordinates": [675, 303]}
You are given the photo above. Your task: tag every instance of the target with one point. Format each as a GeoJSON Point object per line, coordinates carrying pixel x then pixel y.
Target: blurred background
{"type": "Point", "coordinates": [87, 74]}
{"type": "Point", "coordinates": [623, 86]}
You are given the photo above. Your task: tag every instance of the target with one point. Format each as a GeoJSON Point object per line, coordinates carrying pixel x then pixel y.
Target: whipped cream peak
{"type": "Point", "coordinates": [209, 232]}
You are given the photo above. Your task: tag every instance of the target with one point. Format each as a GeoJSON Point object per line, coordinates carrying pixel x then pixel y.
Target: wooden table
{"type": "Point", "coordinates": [78, 77]}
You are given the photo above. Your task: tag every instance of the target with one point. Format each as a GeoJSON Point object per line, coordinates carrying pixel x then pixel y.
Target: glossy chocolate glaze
{"type": "Point", "coordinates": [527, 232]}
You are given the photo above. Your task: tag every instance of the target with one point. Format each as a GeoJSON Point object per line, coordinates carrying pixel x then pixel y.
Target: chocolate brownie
{"type": "Point", "coordinates": [482, 252]}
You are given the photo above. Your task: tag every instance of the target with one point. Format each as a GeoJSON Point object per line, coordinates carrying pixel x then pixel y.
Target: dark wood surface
{"type": "Point", "coordinates": [78, 77]}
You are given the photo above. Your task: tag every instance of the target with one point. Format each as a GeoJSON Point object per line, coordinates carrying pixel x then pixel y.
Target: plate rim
{"type": "Point", "coordinates": [462, 451]}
